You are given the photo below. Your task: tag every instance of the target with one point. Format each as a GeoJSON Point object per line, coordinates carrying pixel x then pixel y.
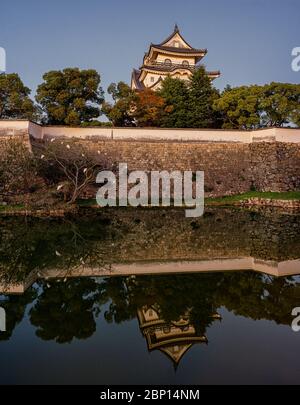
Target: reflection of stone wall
{"type": "Point", "coordinates": [124, 236]}
{"type": "Point", "coordinates": [223, 233]}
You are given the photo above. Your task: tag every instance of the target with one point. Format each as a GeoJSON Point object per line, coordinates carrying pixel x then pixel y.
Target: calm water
{"type": "Point", "coordinates": [150, 297]}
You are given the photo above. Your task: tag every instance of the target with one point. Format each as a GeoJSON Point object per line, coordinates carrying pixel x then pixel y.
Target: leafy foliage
{"type": "Point", "coordinates": [252, 107]}
{"type": "Point", "coordinates": [70, 96]}
{"type": "Point", "coordinates": [14, 99]}
{"type": "Point", "coordinates": [175, 92]}
{"type": "Point", "coordinates": [120, 113]}
{"type": "Point", "coordinates": [177, 104]}
{"type": "Point", "coordinates": [148, 108]}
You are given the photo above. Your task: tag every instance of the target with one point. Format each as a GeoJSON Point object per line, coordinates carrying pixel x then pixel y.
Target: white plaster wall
{"type": "Point", "coordinates": [182, 135]}
{"type": "Point", "coordinates": [147, 80]}
{"type": "Point", "coordinates": [176, 37]}
{"type": "Point", "coordinates": [287, 135]}
{"type": "Point", "coordinates": [70, 132]}
{"type": "Point", "coordinates": [201, 135]}
{"type": "Point", "coordinates": [14, 124]}
{"type": "Point", "coordinates": [175, 59]}
{"type": "Point", "coordinates": [35, 130]}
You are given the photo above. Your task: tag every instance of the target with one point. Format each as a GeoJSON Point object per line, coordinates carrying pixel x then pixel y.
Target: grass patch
{"type": "Point", "coordinates": [291, 195]}
{"type": "Point", "coordinates": [87, 203]}
{"type": "Point", "coordinates": [227, 200]}
{"type": "Point", "coordinates": [11, 208]}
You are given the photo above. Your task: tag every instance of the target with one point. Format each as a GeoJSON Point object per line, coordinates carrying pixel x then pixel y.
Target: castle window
{"type": "Point", "coordinates": [176, 44]}
{"type": "Point", "coordinates": [152, 79]}
{"type": "Point", "coordinates": [168, 62]}
{"type": "Point", "coordinates": [185, 63]}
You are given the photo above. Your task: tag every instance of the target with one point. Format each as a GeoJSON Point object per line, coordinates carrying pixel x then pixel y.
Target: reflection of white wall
{"type": "Point", "coordinates": [138, 268]}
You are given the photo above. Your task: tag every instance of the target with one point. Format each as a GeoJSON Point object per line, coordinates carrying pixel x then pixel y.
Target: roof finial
{"type": "Point", "coordinates": [176, 28]}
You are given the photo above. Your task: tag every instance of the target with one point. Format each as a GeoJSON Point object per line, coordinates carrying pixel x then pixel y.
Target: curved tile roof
{"type": "Point", "coordinates": [179, 50]}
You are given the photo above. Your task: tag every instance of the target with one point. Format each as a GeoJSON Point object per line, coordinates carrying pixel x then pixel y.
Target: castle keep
{"type": "Point", "coordinates": [173, 57]}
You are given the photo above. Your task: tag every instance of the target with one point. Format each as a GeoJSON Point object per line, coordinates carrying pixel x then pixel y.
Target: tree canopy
{"type": "Point", "coordinates": [74, 97]}
{"type": "Point", "coordinates": [178, 104]}
{"type": "Point", "coordinates": [252, 107]}
{"type": "Point", "coordinates": [15, 102]}
{"type": "Point", "coordinates": [70, 97]}
{"type": "Point", "coordinates": [120, 113]}
{"type": "Point", "coordinates": [187, 104]}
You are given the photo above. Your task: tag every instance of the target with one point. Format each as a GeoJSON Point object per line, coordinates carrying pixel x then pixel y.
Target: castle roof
{"type": "Point", "coordinates": [173, 49]}
{"type": "Point", "coordinates": [136, 79]}
{"type": "Point", "coordinates": [162, 59]}
{"type": "Point", "coordinates": [176, 32]}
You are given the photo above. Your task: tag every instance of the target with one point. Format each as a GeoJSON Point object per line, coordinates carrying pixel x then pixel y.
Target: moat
{"type": "Point", "coordinates": [149, 297]}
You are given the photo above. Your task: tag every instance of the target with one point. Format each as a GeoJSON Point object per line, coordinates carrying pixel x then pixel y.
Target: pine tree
{"type": "Point", "coordinates": [201, 98]}
{"type": "Point", "coordinates": [176, 95]}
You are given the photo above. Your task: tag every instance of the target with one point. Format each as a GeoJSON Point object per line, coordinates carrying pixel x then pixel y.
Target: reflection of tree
{"type": "Point", "coordinates": [15, 307]}
{"type": "Point", "coordinates": [258, 296]}
{"type": "Point", "coordinates": [64, 311]}
{"type": "Point", "coordinates": [249, 294]}
{"type": "Point", "coordinates": [29, 244]}
{"type": "Point", "coordinates": [173, 295]}
{"type": "Point", "coordinates": [67, 310]}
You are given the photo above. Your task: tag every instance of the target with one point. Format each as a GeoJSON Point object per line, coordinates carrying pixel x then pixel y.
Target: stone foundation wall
{"type": "Point", "coordinates": [275, 166]}
{"type": "Point", "coordinates": [226, 166]}
{"type": "Point", "coordinates": [17, 134]}
{"type": "Point", "coordinates": [230, 168]}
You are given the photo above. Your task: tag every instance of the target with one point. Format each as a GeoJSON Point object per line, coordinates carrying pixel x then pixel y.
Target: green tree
{"type": "Point", "coordinates": [70, 96]}
{"type": "Point", "coordinates": [176, 95]}
{"type": "Point", "coordinates": [240, 107]}
{"type": "Point", "coordinates": [280, 104]}
{"type": "Point", "coordinates": [252, 107]}
{"type": "Point", "coordinates": [14, 99]}
{"type": "Point", "coordinates": [202, 95]}
{"type": "Point", "coordinates": [121, 112]}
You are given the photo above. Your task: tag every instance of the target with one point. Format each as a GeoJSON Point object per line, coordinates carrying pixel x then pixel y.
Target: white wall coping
{"type": "Point", "coordinates": [286, 135]}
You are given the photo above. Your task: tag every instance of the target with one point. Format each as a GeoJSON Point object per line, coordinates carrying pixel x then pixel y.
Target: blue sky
{"type": "Point", "coordinates": [250, 41]}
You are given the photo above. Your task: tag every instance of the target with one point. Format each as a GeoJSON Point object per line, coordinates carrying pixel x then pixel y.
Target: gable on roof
{"type": "Point", "coordinates": [176, 40]}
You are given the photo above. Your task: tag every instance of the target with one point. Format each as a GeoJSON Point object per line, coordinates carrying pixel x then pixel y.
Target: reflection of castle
{"type": "Point", "coordinates": [172, 338]}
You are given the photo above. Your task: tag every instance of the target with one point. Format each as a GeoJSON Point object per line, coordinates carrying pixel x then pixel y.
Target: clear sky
{"type": "Point", "coordinates": [250, 41]}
